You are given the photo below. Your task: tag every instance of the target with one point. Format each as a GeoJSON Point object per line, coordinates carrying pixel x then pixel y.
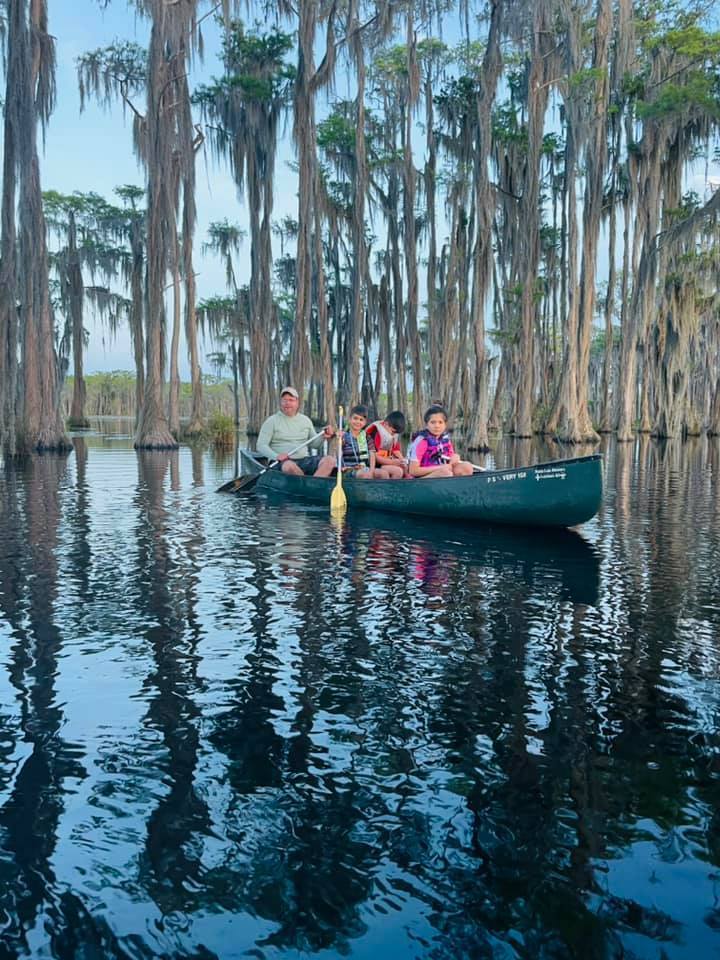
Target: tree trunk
{"type": "Point", "coordinates": [136, 312]}
{"type": "Point", "coordinates": [541, 74]}
{"type": "Point", "coordinates": [606, 414]}
{"type": "Point", "coordinates": [358, 268]}
{"type": "Point", "coordinates": [174, 385]}
{"type": "Point", "coordinates": [477, 435]}
{"type": "Point", "coordinates": [307, 82]}
{"type": "Point", "coordinates": [166, 64]}
{"type": "Point", "coordinates": [595, 164]}
{"type": "Point", "coordinates": [644, 282]}
{"type": "Point", "coordinates": [410, 241]}
{"type": "Point", "coordinates": [327, 410]}
{"type": "Point", "coordinates": [430, 173]}
{"type": "Point", "coordinates": [41, 425]}
{"type": "Point", "coordinates": [76, 297]}
{"type": "Point", "coordinates": [195, 425]}
{"type": "Point", "coordinates": [8, 244]}
{"type": "Point", "coordinates": [384, 323]}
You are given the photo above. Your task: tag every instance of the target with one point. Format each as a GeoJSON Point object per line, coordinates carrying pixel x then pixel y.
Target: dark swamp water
{"type": "Point", "coordinates": [229, 728]}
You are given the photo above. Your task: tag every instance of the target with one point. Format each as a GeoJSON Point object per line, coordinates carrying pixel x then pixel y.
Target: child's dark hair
{"type": "Point", "coordinates": [433, 410]}
{"type": "Point", "coordinates": [396, 420]}
{"type": "Point", "coordinates": [360, 409]}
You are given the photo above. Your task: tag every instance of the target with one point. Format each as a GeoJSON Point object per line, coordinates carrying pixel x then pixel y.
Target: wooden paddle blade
{"type": "Point", "coordinates": [338, 500]}
{"type": "Point", "coordinates": [239, 484]}
{"type": "Point", "coordinates": [228, 486]}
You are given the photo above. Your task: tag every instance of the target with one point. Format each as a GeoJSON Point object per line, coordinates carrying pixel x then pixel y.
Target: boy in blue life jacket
{"type": "Point", "coordinates": [357, 454]}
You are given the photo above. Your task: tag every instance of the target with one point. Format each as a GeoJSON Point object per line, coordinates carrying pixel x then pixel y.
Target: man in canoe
{"type": "Point", "coordinates": [287, 430]}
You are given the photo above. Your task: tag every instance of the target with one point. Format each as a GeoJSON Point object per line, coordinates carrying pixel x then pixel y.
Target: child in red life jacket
{"type": "Point", "coordinates": [432, 453]}
{"type": "Point", "coordinates": [383, 437]}
{"type": "Point", "coordinates": [357, 454]}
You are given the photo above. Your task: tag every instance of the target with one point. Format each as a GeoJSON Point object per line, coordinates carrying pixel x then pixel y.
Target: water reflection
{"type": "Point", "coordinates": [444, 557]}
{"type": "Point", "coordinates": [383, 737]}
{"type": "Point", "coordinates": [40, 766]}
{"type": "Point", "coordinates": [171, 865]}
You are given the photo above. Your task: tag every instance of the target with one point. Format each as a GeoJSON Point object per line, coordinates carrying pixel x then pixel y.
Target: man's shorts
{"type": "Point", "coordinates": [308, 465]}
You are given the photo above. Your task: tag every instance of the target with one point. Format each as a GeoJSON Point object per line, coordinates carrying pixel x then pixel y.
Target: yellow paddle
{"type": "Point", "coordinates": [338, 500]}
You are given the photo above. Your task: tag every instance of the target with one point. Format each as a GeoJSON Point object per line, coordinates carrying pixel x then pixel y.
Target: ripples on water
{"type": "Point", "coordinates": [229, 728]}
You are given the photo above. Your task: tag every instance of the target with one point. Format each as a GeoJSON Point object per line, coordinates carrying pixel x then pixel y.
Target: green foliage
{"type": "Point", "coordinates": [88, 211]}
{"type": "Point", "coordinates": [458, 99]}
{"type": "Point", "coordinates": [336, 134]}
{"type": "Point", "coordinates": [216, 304]}
{"type": "Point", "coordinates": [118, 70]}
{"type": "Point", "coordinates": [550, 237]}
{"type": "Point", "coordinates": [585, 81]}
{"type": "Point", "coordinates": [632, 86]}
{"type": "Point", "coordinates": [254, 67]}
{"type": "Point", "coordinates": [392, 62]}
{"type": "Point", "coordinates": [599, 339]}
{"type": "Point", "coordinates": [698, 92]}
{"type": "Point", "coordinates": [470, 55]}
{"type": "Point", "coordinates": [552, 144]}
{"type": "Point", "coordinates": [112, 393]}
{"type": "Point", "coordinates": [672, 35]}
{"type": "Point", "coordinates": [432, 48]}
{"type": "Point", "coordinates": [286, 272]}
{"type": "Point", "coordinates": [689, 40]}
{"type": "Point", "coordinates": [130, 194]}
{"type": "Point", "coordinates": [221, 429]}
{"type": "Point", "coordinates": [255, 61]}
{"type": "Point", "coordinates": [507, 128]}
{"type": "Point", "coordinates": [689, 204]}
{"type": "Point", "coordinates": [254, 49]}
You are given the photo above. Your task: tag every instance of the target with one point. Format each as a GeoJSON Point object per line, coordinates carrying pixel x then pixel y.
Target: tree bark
{"type": "Point", "coordinates": [137, 301]}
{"type": "Point", "coordinates": [595, 166]}
{"type": "Point", "coordinates": [540, 76]}
{"type": "Point", "coordinates": [477, 433]}
{"type": "Point", "coordinates": [8, 243]}
{"type": "Point", "coordinates": [169, 37]}
{"type": "Point", "coordinates": [76, 297]}
{"type": "Point", "coordinates": [409, 231]}
{"type": "Point", "coordinates": [308, 81]}
{"type": "Point", "coordinates": [174, 384]}
{"type": "Point", "coordinates": [40, 426]}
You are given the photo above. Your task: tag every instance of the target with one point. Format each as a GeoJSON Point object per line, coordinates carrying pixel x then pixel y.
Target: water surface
{"type": "Point", "coordinates": [230, 728]}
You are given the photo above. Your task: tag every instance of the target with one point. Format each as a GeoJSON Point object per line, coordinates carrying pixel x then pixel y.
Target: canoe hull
{"type": "Point", "coordinates": [562, 493]}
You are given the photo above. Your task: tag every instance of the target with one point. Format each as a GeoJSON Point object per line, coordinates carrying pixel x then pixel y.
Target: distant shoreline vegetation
{"type": "Point", "coordinates": [112, 394]}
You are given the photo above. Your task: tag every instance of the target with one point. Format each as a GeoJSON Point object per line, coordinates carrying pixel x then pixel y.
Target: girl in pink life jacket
{"type": "Point", "coordinates": [432, 453]}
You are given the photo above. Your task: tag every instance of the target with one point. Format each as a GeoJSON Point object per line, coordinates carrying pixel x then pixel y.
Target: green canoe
{"type": "Point", "coordinates": [561, 493]}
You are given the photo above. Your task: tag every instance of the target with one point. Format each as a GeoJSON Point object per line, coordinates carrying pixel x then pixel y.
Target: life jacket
{"type": "Point", "coordinates": [388, 441]}
{"type": "Point", "coordinates": [438, 449]}
{"type": "Point", "coordinates": [355, 452]}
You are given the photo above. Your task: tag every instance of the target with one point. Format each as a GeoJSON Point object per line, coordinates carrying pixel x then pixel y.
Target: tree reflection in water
{"type": "Point", "coordinates": [171, 868]}
{"type": "Point", "coordinates": [301, 738]}
{"type": "Point", "coordinates": [41, 765]}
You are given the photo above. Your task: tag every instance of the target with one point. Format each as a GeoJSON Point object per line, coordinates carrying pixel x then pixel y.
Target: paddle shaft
{"type": "Point", "coordinates": [340, 443]}
{"type": "Point", "coordinates": [338, 500]}
{"type": "Point", "coordinates": [291, 452]}
{"type": "Point", "coordinates": [231, 484]}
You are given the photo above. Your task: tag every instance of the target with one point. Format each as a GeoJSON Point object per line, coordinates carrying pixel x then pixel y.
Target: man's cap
{"type": "Point", "coordinates": [291, 390]}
